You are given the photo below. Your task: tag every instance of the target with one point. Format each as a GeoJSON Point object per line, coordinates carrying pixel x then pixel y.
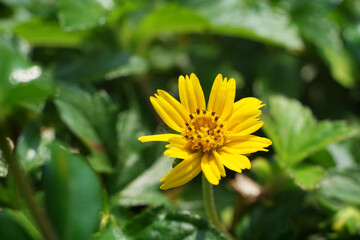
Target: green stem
{"type": "Point", "coordinates": [210, 206]}
{"type": "Point", "coordinates": [25, 188]}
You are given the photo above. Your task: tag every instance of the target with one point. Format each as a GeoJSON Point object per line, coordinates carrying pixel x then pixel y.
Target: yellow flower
{"type": "Point", "coordinates": [207, 138]}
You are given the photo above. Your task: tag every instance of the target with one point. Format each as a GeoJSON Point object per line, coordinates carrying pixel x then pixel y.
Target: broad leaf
{"type": "Point", "coordinates": [72, 194]}
{"type": "Point", "coordinates": [99, 65]}
{"type": "Point", "coordinates": [257, 21]}
{"type": "Point", "coordinates": [92, 118]}
{"type": "Point", "coordinates": [145, 189]}
{"type": "Point", "coordinates": [9, 228]}
{"type": "Point", "coordinates": [308, 176]}
{"type": "Point", "coordinates": [81, 14]}
{"type": "Point", "coordinates": [342, 185]}
{"type": "Point", "coordinates": [22, 83]}
{"type": "Point", "coordinates": [49, 34]}
{"type": "Point", "coordinates": [295, 132]}
{"type": "Point", "coordinates": [296, 135]}
{"type": "Point", "coordinates": [169, 19]}
{"type": "Point", "coordinates": [325, 34]}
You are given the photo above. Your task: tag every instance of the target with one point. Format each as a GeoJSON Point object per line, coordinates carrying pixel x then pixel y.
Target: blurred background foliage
{"type": "Point", "coordinates": [75, 81]}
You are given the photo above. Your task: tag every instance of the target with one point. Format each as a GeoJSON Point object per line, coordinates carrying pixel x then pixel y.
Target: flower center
{"type": "Point", "coordinates": [204, 131]}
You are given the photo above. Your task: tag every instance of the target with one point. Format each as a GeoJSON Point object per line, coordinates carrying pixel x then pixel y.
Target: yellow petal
{"type": "Point", "coordinates": [176, 152]}
{"type": "Point", "coordinates": [234, 162]}
{"type": "Point", "coordinates": [178, 148]}
{"type": "Point", "coordinates": [191, 94]}
{"type": "Point", "coordinates": [175, 104]}
{"type": "Point", "coordinates": [218, 163]}
{"type": "Point", "coordinates": [164, 114]}
{"type": "Point", "coordinates": [214, 92]}
{"type": "Point", "coordinates": [248, 126]}
{"type": "Point", "coordinates": [241, 116]}
{"type": "Point", "coordinates": [198, 92]}
{"type": "Point", "coordinates": [183, 172]}
{"type": "Point", "coordinates": [221, 97]}
{"type": "Point", "coordinates": [171, 111]}
{"type": "Point", "coordinates": [157, 137]}
{"type": "Point", "coordinates": [182, 93]}
{"type": "Point", "coordinates": [247, 104]}
{"type": "Point", "coordinates": [246, 144]}
{"type": "Point", "coordinates": [210, 170]}
{"type": "Point", "coordinates": [229, 99]}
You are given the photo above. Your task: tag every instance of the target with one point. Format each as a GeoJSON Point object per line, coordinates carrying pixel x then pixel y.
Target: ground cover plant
{"type": "Point", "coordinates": [115, 122]}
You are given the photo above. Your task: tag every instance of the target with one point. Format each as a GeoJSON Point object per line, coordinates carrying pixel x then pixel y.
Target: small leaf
{"type": "Point", "coordinates": [4, 169]}
{"type": "Point", "coordinates": [31, 147]}
{"type": "Point", "coordinates": [112, 233]}
{"type": "Point", "coordinates": [144, 189]}
{"type": "Point", "coordinates": [157, 223]}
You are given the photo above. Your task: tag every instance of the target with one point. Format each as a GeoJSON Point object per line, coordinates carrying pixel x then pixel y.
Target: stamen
{"type": "Point", "coordinates": [199, 136]}
{"type": "Point", "coordinates": [216, 118]}
{"type": "Point", "coordinates": [198, 111]}
{"type": "Point", "coordinates": [213, 113]}
{"type": "Point", "coordinates": [191, 116]}
{"type": "Point", "coordinates": [204, 111]}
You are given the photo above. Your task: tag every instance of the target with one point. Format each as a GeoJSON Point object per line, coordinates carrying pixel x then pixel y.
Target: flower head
{"type": "Point", "coordinates": [208, 137]}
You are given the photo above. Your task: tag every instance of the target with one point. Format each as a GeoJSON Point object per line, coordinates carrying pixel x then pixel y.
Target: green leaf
{"type": "Point", "coordinates": [347, 220]}
{"type": "Point", "coordinates": [4, 169]}
{"type": "Point", "coordinates": [169, 18]}
{"type": "Point", "coordinates": [308, 177]}
{"type": "Point", "coordinates": [23, 220]}
{"type": "Point", "coordinates": [252, 20]}
{"type": "Point", "coordinates": [278, 73]}
{"type": "Point", "coordinates": [327, 38]}
{"type": "Point", "coordinates": [157, 223]}
{"type": "Point", "coordinates": [296, 134]}
{"type": "Point", "coordinates": [48, 34]}
{"type": "Point", "coordinates": [9, 228]}
{"type": "Point", "coordinates": [72, 194]}
{"type": "Point", "coordinates": [135, 156]}
{"type": "Point", "coordinates": [31, 147]}
{"type": "Point", "coordinates": [99, 66]}
{"type": "Point", "coordinates": [81, 14]}
{"type": "Point", "coordinates": [111, 233]}
{"type": "Point", "coordinates": [22, 82]}
{"type": "Point", "coordinates": [342, 185]}
{"type": "Point", "coordinates": [92, 118]}
{"type": "Point", "coordinates": [145, 189]}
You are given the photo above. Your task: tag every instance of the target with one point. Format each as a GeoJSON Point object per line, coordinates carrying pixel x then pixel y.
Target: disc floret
{"type": "Point", "coordinates": [204, 131]}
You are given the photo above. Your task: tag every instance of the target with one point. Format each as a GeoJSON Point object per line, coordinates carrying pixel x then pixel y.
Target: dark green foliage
{"type": "Point", "coordinates": [75, 81]}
